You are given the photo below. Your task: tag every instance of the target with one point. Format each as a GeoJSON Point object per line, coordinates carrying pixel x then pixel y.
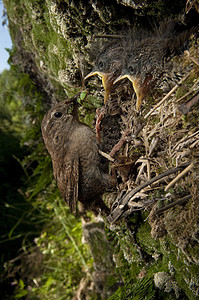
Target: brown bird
{"type": "Point", "coordinates": [147, 63]}
{"type": "Point", "coordinates": [77, 164]}
{"type": "Point", "coordinates": [109, 64]}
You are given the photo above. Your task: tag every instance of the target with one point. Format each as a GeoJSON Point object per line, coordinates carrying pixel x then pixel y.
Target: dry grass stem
{"type": "Point", "coordinates": [178, 177]}
{"type": "Point", "coordinates": [193, 59]}
{"type": "Point", "coordinates": [195, 87]}
{"type": "Point", "coordinates": [107, 156]}
{"type": "Point", "coordinates": [167, 95]}
{"type": "Point", "coordinates": [183, 140]}
{"type": "Point", "coordinates": [119, 210]}
{"type": "Point", "coordinates": [180, 201]}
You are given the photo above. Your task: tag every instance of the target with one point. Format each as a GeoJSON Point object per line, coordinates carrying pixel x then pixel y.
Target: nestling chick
{"type": "Point", "coordinates": [108, 65]}
{"type": "Point", "coordinates": [148, 60]}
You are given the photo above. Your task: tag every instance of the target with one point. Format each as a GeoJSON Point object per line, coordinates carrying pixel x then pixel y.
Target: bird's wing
{"type": "Point", "coordinates": [67, 181]}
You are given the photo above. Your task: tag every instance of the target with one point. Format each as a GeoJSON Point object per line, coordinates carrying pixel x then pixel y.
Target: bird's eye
{"type": "Point", "coordinates": [58, 114]}
{"type": "Point", "coordinates": [101, 64]}
{"type": "Point", "coordinates": [131, 69]}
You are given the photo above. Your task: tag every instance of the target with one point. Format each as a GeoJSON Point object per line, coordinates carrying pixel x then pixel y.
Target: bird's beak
{"type": "Point", "coordinates": [91, 74]}
{"type": "Point", "coordinates": [136, 85]}
{"type": "Point", "coordinates": [107, 82]}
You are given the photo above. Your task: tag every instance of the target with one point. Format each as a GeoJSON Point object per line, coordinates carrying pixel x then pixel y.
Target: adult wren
{"type": "Point", "coordinates": [77, 165]}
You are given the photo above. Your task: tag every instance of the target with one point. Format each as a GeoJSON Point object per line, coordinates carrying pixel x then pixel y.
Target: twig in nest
{"type": "Point", "coordinates": [180, 201]}
{"type": "Point", "coordinates": [184, 108]}
{"type": "Point", "coordinates": [107, 156]}
{"type": "Point", "coordinates": [168, 95]}
{"type": "Point", "coordinates": [182, 174]}
{"type": "Point", "coordinates": [118, 146]}
{"type": "Point", "coordinates": [194, 144]}
{"type": "Point", "coordinates": [145, 161]}
{"type": "Point", "coordinates": [153, 145]}
{"type": "Point", "coordinates": [185, 139]}
{"type": "Point", "coordinates": [193, 59]}
{"type": "Point", "coordinates": [119, 210]}
{"type": "Point", "coordinates": [190, 91]}
{"type": "Point", "coordinates": [190, 4]}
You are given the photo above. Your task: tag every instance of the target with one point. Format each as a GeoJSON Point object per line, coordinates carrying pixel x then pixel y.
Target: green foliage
{"type": "Point", "coordinates": [89, 104]}
{"type": "Point", "coordinates": [21, 290]}
{"type": "Point", "coordinates": [46, 258]}
{"type": "Point", "coordinates": [64, 256]}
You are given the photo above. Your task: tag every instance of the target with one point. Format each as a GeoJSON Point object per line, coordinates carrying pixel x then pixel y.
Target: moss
{"type": "Point", "coordinates": [184, 271]}
{"type": "Point", "coordinates": [166, 258]}
{"type": "Point", "coordinates": [170, 261]}
{"type": "Point", "coordinates": [58, 52]}
{"type": "Point", "coordinates": [145, 240]}
{"type": "Point", "coordinates": [193, 252]}
{"type": "Point", "coordinates": [52, 50]}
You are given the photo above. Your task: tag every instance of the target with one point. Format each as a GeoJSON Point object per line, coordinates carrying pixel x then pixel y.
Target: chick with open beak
{"type": "Point", "coordinates": [148, 62]}
{"type": "Point", "coordinates": [108, 66]}
{"type": "Point", "coordinates": [143, 68]}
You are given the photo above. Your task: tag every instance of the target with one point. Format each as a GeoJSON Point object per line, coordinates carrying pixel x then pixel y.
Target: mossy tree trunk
{"type": "Point", "coordinates": [52, 43]}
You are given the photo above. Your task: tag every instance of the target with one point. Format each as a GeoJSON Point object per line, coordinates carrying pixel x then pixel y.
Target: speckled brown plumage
{"type": "Point", "coordinates": [77, 165]}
